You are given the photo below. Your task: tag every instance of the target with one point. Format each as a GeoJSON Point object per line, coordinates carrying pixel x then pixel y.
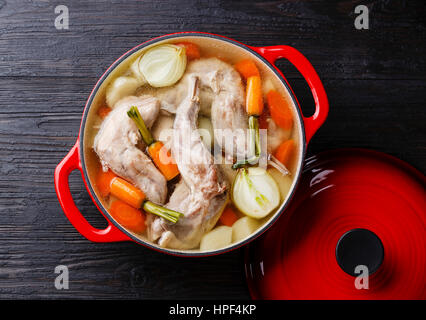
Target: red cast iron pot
{"type": "Point", "coordinates": [267, 55]}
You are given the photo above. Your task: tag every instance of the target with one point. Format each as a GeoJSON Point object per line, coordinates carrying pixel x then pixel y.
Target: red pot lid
{"type": "Point", "coordinates": [352, 207]}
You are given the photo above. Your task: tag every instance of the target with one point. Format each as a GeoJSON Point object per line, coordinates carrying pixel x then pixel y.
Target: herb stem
{"type": "Point", "coordinates": [254, 143]}
{"type": "Point", "coordinates": [134, 114]}
{"type": "Point", "coordinates": [168, 214]}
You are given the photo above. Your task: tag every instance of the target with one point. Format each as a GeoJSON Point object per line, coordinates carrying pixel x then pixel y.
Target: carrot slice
{"type": "Point", "coordinates": [126, 192]}
{"type": "Point", "coordinates": [129, 217]}
{"type": "Point", "coordinates": [163, 160]}
{"type": "Point", "coordinates": [280, 112]}
{"type": "Point", "coordinates": [285, 152]}
{"type": "Point", "coordinates": [192, 50]}
{"type": "Point", "coordinates": [228, 217]}
{"type": "Point", "coordinates": [254, 98]}
{"type": "Point", "coordinates": [103, 111]}
{"type": "Point", "coordinates": [247, 68]}
{"type": "Point", "coordinates": [103, 181]}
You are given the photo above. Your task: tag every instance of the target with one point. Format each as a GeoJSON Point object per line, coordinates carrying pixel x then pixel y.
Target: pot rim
{"type": "Point", "coordinates": [188, 253]}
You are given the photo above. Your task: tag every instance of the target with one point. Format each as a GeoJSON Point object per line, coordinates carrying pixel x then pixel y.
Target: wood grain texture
{"type": "Point", "coordinates": [375, 80]}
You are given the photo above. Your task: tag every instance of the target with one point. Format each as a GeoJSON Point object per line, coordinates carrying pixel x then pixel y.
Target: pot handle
{"type": "Point", "coordinates": [70, 163]}
{"type": "Point", "coordinates": [303, 65]}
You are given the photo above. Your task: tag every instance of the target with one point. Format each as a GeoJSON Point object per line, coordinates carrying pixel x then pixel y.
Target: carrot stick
{"type": "Point", "coordinates": [254, 108]}
{"type": "Point", "coordinates": [103, 182]}
{"type": "Point", "coordinates": [280, 112]}
{"type": "Point", "coordinates": [163, 160]}
{"type": "Point", "coordinates": [103, 111]}
{"type": "Point", "coordinates": [247, 68]}
{"type": "Point", "coordinates": [108, 182]}
{"type": "Point", "coordinates": [254, 99]}
{"type": "Point", "coordinates": [127, 192]}
{"type": "Point", "coordinates": [129, 217]}
{"type": "Point", "coordinates": [135, 197]}
{"type": "Point", "coordinates": [228, 217]}
{"type": "Point", "coordinates": [285, 151]}
{"type": "Point", "coordinates": [159, 154]}
{"type": "Point", "coordinates": [192, 50]}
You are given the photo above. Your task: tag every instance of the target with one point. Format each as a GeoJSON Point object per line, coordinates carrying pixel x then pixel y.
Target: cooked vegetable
{"type": "Point", "coordinates": [103, 181]}
{"type": "Point", "coordinates": [127, 216]}
{"type": "Point", "coordinates": [254, 133]}
{"type": "Point", "coordinates": [284, 181]}
{"type": "Point", "coordinates": [218, 238]}
{"type": "Point", "coordinates": [120, 88]}
{"type": "Point", "coordinates": [274, 162]}
{"type": "Point", "coordinates": [228, 217]}
{"type": "Point", "coordinates": [205, 128]}
{"type": "Point", "coordinates": [137, 73]}
{"type": "Point", "coordinates": [255, 192]}
{"type": "Point", "coordinates": [168, 214]}
{"type": "Point", "coordinates": [108, 182]}
{"type": "Point", "coordinates": [135, 115]}
{"type": "Point", "coordinates": [285, 151]}
{"type": "Point", "coordinates": [158, 152]}
{"type": "Point", "coordinates": [254, 96]}
{"type": "Point", "coordinates": [280, 112]}
{"type": "Point", "coordinates": [192, 50]}
{"type": "Point", "coordinates": [163, 160]}
{"type": "Point", "coordinates": [244, 227]}
{"type": "Point", "coordinates": [125, 191]}
{"type": "Point", "coordinates": [254, 108]}
{"type": "Point", "coordinates": [255, 143]}
{"type": "Point", "coordinates": [267, 85]}
{"type": "Point", "coordinates": [103, 111]}
{"type": "Point", "coordinates": [247, 68]}
{"type": "Point", "coordinates": [163, 65]}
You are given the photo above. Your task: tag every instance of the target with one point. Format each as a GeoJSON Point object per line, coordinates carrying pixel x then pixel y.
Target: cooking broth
{"type": "Point", "coordinates": [231, 54]}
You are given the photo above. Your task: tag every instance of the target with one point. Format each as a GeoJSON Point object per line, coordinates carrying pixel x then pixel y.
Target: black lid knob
{"type": "Point", "coordinates": [359, 247]}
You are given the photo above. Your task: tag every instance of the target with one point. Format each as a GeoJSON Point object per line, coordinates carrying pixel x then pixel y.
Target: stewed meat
{"type": "Point", "coordinates": [221, 97]}
{"type": "Point", "coordinates": [118, 145]}
{"type": "Point", "coordinates": [200, 195]}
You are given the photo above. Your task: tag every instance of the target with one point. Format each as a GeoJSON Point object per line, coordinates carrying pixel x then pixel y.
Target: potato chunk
{"type": "Point", "coordinates": [244, 227]}
{"type": "Point", "coordinates": [218, 238]}
{"type": "Point", "coordinates": [120, 88]}
{"type": "Point", "coordinates": [284, 182]}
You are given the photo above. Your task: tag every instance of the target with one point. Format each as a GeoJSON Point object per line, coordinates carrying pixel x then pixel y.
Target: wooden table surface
{"type": "Point", "coordinates": [375, 80]}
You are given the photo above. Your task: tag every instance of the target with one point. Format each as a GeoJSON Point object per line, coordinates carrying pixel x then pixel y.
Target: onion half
{"type": "Point", "coordinates": [162, 65]}
{"type": "Point", "coordinates": [255, 192]}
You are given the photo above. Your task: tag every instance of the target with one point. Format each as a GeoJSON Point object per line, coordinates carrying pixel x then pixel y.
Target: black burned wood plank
{"type": "Point", "coordinates": [120, 271]}
{"type": "Point", "coordinates": [99, 32]}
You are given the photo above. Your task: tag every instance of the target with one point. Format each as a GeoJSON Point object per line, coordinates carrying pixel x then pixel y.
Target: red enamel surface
{"type": "Point", "coordinates": [312, 124]}
{"type": "Point", "coordinates": [342, 190]}
{"type": "Point", "coordinates": [70, 163]}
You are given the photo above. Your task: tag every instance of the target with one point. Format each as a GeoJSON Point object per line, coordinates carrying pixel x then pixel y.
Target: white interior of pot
{"type": "Point", "coordinates": [209, 46]}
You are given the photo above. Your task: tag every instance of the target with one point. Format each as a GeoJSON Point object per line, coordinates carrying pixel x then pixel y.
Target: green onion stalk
{"type": "Point", "coordinates": [168, 214]}
{"type": "Point", "coordinates": [134, 114]}
{"type": "Point", "coordinates": [148, 206]}
{"type": "Point", "coordinates": [253, 122]}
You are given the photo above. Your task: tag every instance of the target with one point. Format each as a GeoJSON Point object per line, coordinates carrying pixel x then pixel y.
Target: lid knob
{"type": "Point", "coordinates": [359, 247]}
